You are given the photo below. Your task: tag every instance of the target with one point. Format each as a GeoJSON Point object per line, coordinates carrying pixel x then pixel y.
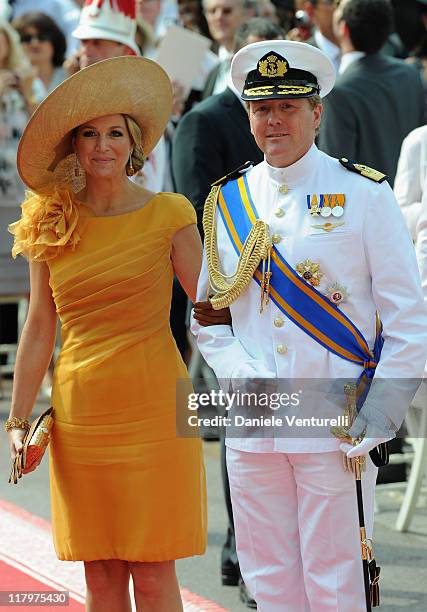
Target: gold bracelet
{"type": "Point", "coordinates": [16, 423]}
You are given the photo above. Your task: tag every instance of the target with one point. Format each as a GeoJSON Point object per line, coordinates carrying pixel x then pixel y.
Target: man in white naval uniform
{"type": "Point", "coordinates": [294, 505]}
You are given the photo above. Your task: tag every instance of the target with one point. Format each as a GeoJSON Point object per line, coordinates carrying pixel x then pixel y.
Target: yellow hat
{"type": "Point", "coordinates": [128, 85]}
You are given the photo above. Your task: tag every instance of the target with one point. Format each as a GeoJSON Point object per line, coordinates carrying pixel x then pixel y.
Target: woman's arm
{"type": "Point", "coordinates": [187, 258]}
{"type": "Point", "coordinates": [35, 349]}
{"type": "Point", "coordinates": [187, 263]}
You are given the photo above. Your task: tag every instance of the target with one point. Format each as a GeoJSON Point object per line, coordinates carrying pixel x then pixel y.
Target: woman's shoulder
{"type": "Point", "coordinates": [176, 208]}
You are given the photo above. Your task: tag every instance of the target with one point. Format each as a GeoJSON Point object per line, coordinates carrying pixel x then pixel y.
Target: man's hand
{"type": "Point", "coordinates": [205, 315]}
{"type": "Point", "coordinates": [72, 64]}
{"type": "Point", "coordinates": [178, 100]}
{"type": "Point", "coordinates": [363, 448]}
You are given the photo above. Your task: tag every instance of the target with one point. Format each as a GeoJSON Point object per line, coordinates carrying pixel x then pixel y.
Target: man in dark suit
{"type": "Point", "coordinates": [377, 100]}
{"type": "Point", "coordinates": [214, 138]}
{"type": "Point", "coordinates": [224, 17]}
{"type": "Point", "coordinates": [321, 13]}
{"type": "Point", "coordinates": [211, 140]}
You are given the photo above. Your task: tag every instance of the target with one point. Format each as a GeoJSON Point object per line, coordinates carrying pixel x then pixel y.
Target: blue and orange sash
{"type": "Point", "coordinates": [298, 300]}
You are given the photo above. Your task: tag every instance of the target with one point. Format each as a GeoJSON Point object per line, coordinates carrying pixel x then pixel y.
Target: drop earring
{"type": "Point", "coordinates": [78, 178]}
{"type": "Point", "coordinates": [131, 169]}
{"type": "Point", "coordinates": [77, 167]}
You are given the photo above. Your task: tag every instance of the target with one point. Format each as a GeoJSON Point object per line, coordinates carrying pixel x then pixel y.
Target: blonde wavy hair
{"type": "Point", "coordinates": [135, 134]}
{"type": "Point", "coordinates": [17, 60]}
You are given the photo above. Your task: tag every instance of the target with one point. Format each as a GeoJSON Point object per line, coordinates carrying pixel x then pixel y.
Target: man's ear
{"type": "Point", "coordinates": [346, 29]}
{"type": "Point", "coordinates": [248, 110]}
{"type": "Point", "coordinates": [341, 30]}
{"type": "Point", "coordinates": [318, 110]}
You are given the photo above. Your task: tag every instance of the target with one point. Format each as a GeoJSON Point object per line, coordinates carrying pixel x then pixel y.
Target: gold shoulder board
{"type": "Point", "coordinates": [370, 173]}
{"type": "Point", "coordinates": [233, 175]}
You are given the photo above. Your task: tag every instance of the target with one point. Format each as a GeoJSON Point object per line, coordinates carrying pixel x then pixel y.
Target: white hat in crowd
{"type": "Point", "coordinates": [109, 20]}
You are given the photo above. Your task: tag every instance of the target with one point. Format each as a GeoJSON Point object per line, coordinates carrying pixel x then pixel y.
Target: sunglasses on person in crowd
{"type": "Point", "coordinates": [28, 38]}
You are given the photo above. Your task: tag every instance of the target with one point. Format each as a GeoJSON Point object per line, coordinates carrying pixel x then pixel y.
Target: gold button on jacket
{"type": "Point", "coordinates": [282, 349]}
{"type": "Point", "coordinates": [278, 322]}
{"type": "Point", "coordinates": [276, 238]}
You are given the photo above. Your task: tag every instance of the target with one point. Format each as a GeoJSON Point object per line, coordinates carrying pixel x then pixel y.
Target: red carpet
{"type": "Point", "coordinates": [12, 579]}
{"type": "Point", "coordinates": [28, 563]}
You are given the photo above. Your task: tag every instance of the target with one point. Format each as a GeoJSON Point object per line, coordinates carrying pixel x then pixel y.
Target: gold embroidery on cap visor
{"type": "Point", "coordinates": [280, 90]}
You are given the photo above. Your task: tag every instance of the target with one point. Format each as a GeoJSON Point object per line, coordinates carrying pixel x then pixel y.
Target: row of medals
{"type": "Point", "coordinates": [327, 211]}
{"type": "Point", "coordinates": [330, 204]}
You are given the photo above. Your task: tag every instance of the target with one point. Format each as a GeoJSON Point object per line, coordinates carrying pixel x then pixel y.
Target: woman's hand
{"type": "Point", "coordinates": [72, 64]}
{"type": "Point", "coordinates": [178, 100]}
{"type": "Point", "coordinates": [7, 81]}
{"type": "Point", "coordinates": [34, 456]}
{"type": "Point", "coordinates": [16, 437]}
{"type": "Point", "coordinates": [25, 79]}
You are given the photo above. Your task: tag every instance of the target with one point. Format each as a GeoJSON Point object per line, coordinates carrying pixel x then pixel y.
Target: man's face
{"type": "Point", "coordinates": [224, 17]}
{"type": "Point", "coordinates": [189, 13]}
{"type": "Point", "coordinates": [322, 14]}
{"type": "Point", "coordinates": [284, 129]}
{"type": "Point", "coordinates": [338, 23]}
{"type": "Point", "coordinates": [94, 50]}
{"type": "Point", "coordinates": [148, 10]}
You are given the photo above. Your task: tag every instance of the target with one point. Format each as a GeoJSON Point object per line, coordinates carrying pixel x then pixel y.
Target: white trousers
{"type": "Point", "coordinates": [297, 529]}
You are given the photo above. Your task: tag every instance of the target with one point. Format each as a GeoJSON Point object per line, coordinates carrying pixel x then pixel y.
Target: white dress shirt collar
{"type": "Point", "coordinates": [328, 47]}
{"type": "Point", "coordinates": [350, 58]}
{"type": "Point", "coordinates": [223, 54]}
{"type": "Point", "coordinates": [297, 172]}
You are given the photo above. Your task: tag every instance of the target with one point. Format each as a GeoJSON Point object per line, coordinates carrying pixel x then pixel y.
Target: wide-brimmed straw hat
{"type": "Point", "coordinates": [128, 85]}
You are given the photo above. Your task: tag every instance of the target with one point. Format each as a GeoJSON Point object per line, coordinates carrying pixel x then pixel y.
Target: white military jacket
{"type": "Point", "coordinates": [369, 253]}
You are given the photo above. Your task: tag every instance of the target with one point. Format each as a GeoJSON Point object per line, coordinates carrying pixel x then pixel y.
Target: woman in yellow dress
{"type": "Point", "coordinates": [127, 493]}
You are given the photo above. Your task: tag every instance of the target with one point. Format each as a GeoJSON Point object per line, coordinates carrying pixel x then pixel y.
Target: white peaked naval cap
{"type": "Point", "coordinates": [273, 69]}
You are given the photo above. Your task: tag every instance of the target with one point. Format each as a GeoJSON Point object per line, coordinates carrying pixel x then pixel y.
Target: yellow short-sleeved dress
{"type": "Point", "coordinates": [123, 485]}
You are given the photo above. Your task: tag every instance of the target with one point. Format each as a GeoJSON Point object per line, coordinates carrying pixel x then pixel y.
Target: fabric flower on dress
{"type": "Point", "coordinates": [48, 225]}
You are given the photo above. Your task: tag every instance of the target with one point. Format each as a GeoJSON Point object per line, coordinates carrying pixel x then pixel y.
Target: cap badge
{"type": "Point", "coordinates": [272, 66]}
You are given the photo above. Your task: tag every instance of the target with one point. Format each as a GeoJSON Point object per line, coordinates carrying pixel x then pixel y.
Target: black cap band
{"type": "Point", "coordinates": [274, 78]}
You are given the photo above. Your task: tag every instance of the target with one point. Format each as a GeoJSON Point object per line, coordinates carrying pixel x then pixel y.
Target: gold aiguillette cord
{"type": "Point", "coordinates": [265, 281]}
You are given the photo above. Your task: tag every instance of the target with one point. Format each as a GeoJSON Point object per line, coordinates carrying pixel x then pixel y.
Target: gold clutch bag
{"type": "Point", "coordinates": [34, 445]}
